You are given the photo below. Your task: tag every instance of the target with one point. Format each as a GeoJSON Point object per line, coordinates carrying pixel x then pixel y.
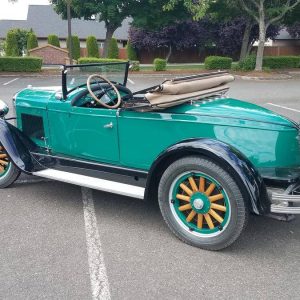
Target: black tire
{"type": "Point", "coordinates": [11, 174]}
{"type": "Point", "coordinates": [237, 217]}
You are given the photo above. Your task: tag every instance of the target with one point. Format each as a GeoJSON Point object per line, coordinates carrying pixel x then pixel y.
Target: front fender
{"type": "Point", "coordinates": [238, 165]}
{"type": "Point", "coordinates": [17, 146]}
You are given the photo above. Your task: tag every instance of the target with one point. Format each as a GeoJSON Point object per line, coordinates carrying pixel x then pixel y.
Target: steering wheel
{"type": "Point", "coordinates": [89, 87]}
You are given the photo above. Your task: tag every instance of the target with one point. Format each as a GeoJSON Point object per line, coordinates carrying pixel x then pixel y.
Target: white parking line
{"type": "Point", "coordinates": [11, 81]}
{"type": "Point", "coordinates": [132, 82]}
{"type": "Point", "coordinates": [97, 269]}
{"type": "Point", "coordinates": [284, 107]}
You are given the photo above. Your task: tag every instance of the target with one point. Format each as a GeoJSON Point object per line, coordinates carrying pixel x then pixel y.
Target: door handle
{"type": "Point", "coordinates": [109, 125]}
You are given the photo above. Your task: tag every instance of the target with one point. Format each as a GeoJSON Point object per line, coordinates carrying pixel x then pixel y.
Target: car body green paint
{"type": "Point", "coordinates": [137, 138]}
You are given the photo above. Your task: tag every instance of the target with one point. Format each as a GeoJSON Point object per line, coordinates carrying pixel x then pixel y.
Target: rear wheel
{"type": "Point", "coordinates": [9, 173]}
{"type": "Point", "coordinates": [202, 204]}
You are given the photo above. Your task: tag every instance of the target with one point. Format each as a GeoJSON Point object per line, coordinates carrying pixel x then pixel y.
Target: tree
{"type": "Point", "coordinates": [75, 46]}
{"type": "Point", "coordinates": [16, 42]}
{"type": "Point", "coordinates": [12, 48]}
{"type": "Point", "coordinates": [180, 36]}
{"type": "Point", "coordinates": [53, 40]}
{"type": "Point", "coordinates": [266, 13]}
{"type": "Point", "coordinates": [92, 46]}
{"type": "Point", "coordinates": [131, 53]}
{"type": "Point", "coordinates": [111, 12]}
{"type": "Point", "coordinates": [32, 41]}
{"type": "Point", "coordinates": [113, 49]}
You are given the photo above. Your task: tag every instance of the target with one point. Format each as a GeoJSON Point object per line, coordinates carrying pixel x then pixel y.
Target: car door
{"type": "Point", "coordinates": [94, 134]}
{"type": "Point", "coordinates": [85, 133]}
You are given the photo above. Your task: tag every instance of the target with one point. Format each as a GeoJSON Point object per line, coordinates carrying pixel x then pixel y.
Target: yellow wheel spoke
{"type": "Point", "coordinates": [191, 216]}
{"type": "Point", "coordinates": [200, 221]}
{"type": "Point", "coordinates": [209, 221]}
{"type": "Point", "coordinates": [3, 162]}
{"type": "Point", "coordinates": [183, 198]}
{"type": "Point", "coordinates": [216, 198]}
{"type": "Point", "coordinates": [185, 207]}
{"type": "Point", "coordinates": [186, 189]}
{"type": "Point", "coordinates": [218, 207]}
{"type": "Point", "coordinates": [202, 185]}
{"type": "Point", "coordinates": [216, 216]}
{"type": "Point", "coordinates": [210, 189]}
{"type": "Point", "coordinates": [193, 184]}
{"type": "Point", "coordinates": [3, 155]}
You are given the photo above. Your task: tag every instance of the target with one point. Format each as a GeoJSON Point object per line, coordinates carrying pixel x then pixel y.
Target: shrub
{"type": "Point", "coordinates": [92, 46]}
{"type": "Point", "coordinates": [279, 62]}
{"type": "Point", "coordinates": [53, 40]}
{"type": "Point", "coordinates": [248, 63]}
{"type": "Point", "coordinates": [75, 47]}
{"type": "Point", "coordinates": [20, 64]}
{"type": "Point", "coordinates": [32, 41]}
{"type": "Point", "coordinates": [11, 48]}
{"type": "Point", "coordinates": [113, 49]}
{"type": "Point", "coordinates": [131, 53]}
{"type": "Point", "coordinates": [135, 65]}
{"type": "Point", "coordinates": [218, 63]}
{"type": "Point", "coordinates": [159, 64]}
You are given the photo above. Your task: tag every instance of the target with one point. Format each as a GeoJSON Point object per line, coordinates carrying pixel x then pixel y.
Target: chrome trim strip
{"type": "Point", "coordinates": [286, 198]}
{"type": "Point", "coordinates": [93, 183]}
{"type": "Point", "coordinates": [278, 209]}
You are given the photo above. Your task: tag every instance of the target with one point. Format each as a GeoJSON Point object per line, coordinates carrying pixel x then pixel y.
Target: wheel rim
{"type": "Point", "coordinates": [5, 163]}
{"type": "Point", "coordinates": [200, 204]}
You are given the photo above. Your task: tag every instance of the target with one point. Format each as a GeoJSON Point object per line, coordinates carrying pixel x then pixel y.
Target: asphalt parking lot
{"type": "Point", "coordinates": [60, 241]}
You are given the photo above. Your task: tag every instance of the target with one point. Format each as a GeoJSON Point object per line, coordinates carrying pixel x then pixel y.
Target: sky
{"type": "Point", "coordinates": [18, 10]}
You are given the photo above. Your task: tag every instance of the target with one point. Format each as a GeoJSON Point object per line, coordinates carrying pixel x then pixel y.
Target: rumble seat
{"type": "Point", "coordinates": [177, 91]}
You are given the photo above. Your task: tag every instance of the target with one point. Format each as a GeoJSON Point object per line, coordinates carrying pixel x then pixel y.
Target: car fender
{"type": "Point", "coordinates": [233, 161]}
{"type": "Point", "coordinates": [18, 147]}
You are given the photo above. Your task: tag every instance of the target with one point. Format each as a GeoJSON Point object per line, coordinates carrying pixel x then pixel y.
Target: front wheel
{"type": "Point", "coordinates": [8, 171]}
{"type": "Point", "coordinates": [201, 203]}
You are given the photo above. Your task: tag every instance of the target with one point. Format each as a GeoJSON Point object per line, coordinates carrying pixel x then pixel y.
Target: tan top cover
{"type": "Point", "coordinates": [172, 93]}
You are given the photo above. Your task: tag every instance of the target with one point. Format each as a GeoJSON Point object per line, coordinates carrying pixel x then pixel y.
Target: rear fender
{"type": "Point", "coordinates": [249, 180]}
{"type": "Point", "coordinates": [18, 147]}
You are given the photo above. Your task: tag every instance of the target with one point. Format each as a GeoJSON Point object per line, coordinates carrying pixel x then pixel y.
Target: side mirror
{"type": "Point", "coordinates": [3, 109]}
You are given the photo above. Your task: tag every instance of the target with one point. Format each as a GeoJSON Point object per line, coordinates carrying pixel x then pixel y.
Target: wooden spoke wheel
{"type": "Point", "coordinates": [8, 171]}
{"type": "Point", "coordinates": [201, 203]}
{"type": "Point", "coordinates": [5, 163]}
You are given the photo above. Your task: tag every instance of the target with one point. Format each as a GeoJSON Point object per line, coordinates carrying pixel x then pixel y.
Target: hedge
{"type": "Point", "coordinates": [91, 60]}
{"type": "Point", "coordinates": [131, 53]}
{"type": "Point", "coordinates": [92, 46]}
{"type": "Point", "coordinates": [53, 40]}
{"type": "Point", "coordinates": [218, 63]}
{"type": "Point", "coordinates": [20, 64]}
{"type": "Point", "coordinates": [75, 46]}
{"type": "Point", "coordinates": [159, 64]}
{"type": "Point", "coordinates": [279, 62]}
{"type": "Point", "coordinates": [113, 49]}
{"type": "Point", "coordinates": [270, 62]}
{"type": "Point", "coordinates": [32, 41]}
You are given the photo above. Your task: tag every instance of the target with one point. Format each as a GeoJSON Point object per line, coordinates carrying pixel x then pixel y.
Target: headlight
{"type": "Point", "coordinates": [3, 109]}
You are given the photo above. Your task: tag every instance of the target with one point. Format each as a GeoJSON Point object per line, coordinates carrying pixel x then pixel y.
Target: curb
{"type": "Point", "coordinates": [274, 78]}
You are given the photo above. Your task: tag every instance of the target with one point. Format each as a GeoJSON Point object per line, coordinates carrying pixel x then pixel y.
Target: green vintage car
{"type": "Point", "coordinates": [207, 159]}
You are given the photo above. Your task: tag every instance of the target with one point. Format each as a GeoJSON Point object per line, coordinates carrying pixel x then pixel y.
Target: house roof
{"type": "Point", "coordinates": [44, 21]}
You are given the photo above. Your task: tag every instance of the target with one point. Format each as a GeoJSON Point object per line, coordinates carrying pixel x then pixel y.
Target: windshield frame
{"type": "Point", "coordinates": [65, 68]}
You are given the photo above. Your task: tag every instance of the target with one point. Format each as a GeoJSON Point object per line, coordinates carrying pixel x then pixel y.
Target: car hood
{"type": "Point", "coordinates": [37, 97]}
{"type": "Point", "coordinates": [228, 108]}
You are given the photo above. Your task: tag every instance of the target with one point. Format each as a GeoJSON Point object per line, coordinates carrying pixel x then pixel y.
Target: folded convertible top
{"type": "Point", "coordinates": [180, 90]}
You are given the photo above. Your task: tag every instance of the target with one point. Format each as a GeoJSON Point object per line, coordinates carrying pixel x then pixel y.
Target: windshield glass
{"type": "Point", "coordinates": [77, 75]}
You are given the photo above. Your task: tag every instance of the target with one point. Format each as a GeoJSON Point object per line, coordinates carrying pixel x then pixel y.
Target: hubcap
{"type": "Point", "coordinates": [200, 204]}
{"type": "Point", "coordinates": [4, 162]}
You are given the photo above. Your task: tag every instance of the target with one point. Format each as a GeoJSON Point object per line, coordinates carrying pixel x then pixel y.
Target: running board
{"type": "Point", "coordinates": [93, 183]}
